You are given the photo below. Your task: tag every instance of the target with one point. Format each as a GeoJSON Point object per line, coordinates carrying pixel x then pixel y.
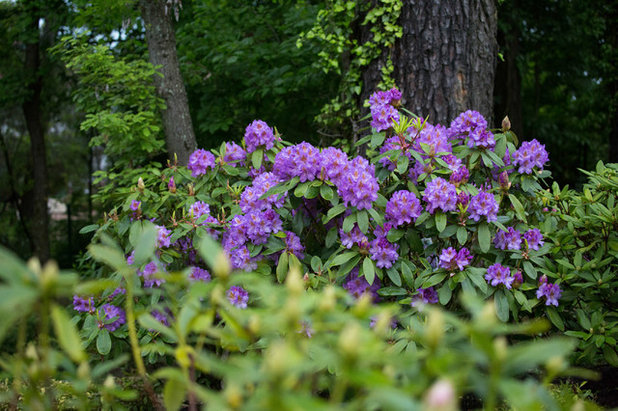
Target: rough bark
{"type": "Point", "coordinates": [445, 61]}
{"type": "Point", "coordinates": [179, 133]}
{"type": "Point", "coordinates": [32, 113]}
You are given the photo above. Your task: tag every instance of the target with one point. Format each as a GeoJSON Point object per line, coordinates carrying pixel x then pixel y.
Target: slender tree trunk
{"type": "Point", "coordinates": [32, 113]}
{"type": "Point", "coordinates": [179, 134]}
{"type": "Point", "coordinates": [445, 60]}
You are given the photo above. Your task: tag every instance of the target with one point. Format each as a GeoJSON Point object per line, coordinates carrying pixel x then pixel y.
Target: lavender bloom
{"type": "Point", "coordinates": [240, 258]}
{"type": "Point", "coordinates": [83, 305]}
{"type": "Point", "coordinates": [459, 176]}
{"type": "Point", "coordinates": [200, 161]}
{"type": "Point", "coordinates": [110, 312]}
{"type": "Point", "coordinates": [497, 274]}
{"type": "Point", "coordinates": [135, 205]}
{"type": "Point", "coordinates": [402, 208]}
{"type": "Point", "coordinates": [383, 252]}
{"type": "Point", "coordinates": [393, 143]}
{"type": "Point", "coordinates": [432, 140]}
{"type": "Point", "coordinates": [199, 274]}
{"type": "Point", "coordinates": [163, 237]}
{"type": "Point", "coordinates": [425, 296]}
{"type": "Point", "coordinates": [451, 259]}
{"type": "Point", "coordinates": [530, 154]}
{"type": "Point", "coordinates": [335, 164]}
{"type": "Point", "coordinates": [518, 279]}
{"type": "Point", "coordinates": [383, 116]}
{"type": "Point", "coordinates": [463, 199]}
{"type": "Point", "coordinates": [357, 286]}
{"type": "Point", "coordinates": [534, 239]}
{"type": "Point", "coordinates": [483, 204]}
{"type": "Point", "coordinates": [198, 209]}
{"type": "Point", "coordinates": [465, 124]}
{"type": "Point", "coordinates": [293, 245]}
{"type": "Point", "coordinates": [117, 291]}
{"type": "Point", "coordinates": [355, 236]}
{"type": "Point", "coordinates": [234, 154]}
{"type": "Point", "coordinates": [359, 187]}
{"type": "Point", "coordinates": [550, 291]}
{"type": "Point", "coordinates": [441, 194]}
{"type": "Point", "coordinates": [510, 239]}
{"type": "Point", "coordinates": [148, 275]}
{"type": "Point", "coordinates": [258, 134]}
{"type": "Point", "coordinates": [482, 138]}
{"type": "Point", "coordinates": [302, 160]}
{"type": "Point", "coordinates": [161, 317]}
{"type": "Point", "coordinates": [171, 185]}
{"type": "Point", "coordinates": [238, 297]}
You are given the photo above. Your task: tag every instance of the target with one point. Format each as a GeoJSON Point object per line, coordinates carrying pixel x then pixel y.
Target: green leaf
{"type": "Point", "coordinates": [342, 258]}
{"type": "Point", "coordinates": [440, 221]}
{"type": "Point", "coordinates": [144, 240]}
{"type": "Point", "coordinates": [402, 164]}
{"type": "Point", "coordinates": [326, 192]}
{"type": "Point", "coordinates": [363, 220]}
{"type": "Point", "coordinates": [407, 275]}
{"type": "Point", "coordinates": [610, 355]}
{"type": "Point", "coordinates": [530, 270]}
{"type": "Point", "coordinates": [104, 342]}
{"type": "Point", "coordinates": [348, 223]}
{"type": "Point", "coordinates": [67, 334]}
{"type": "Point", "coordinates": [476, 276]}
{"type": "Point", "coordinates": [148, 322]}
{"type": "Point", "coordinates": [209, 249]}
{"type": "Point", "coordinates": [282, 267]}
{"type": "Point", "coordinates": [502, 306]}
{"type": "Point", "coordinates": [394, 276]}
{"type": "Point", "coordinates": [256, 158]}
{"type": "Point", "coordinates": [394, 235]}
{"type": "Point", "coordinates": [444, 294]}
{"type": "Point", "coordinates": [369, 270]}
{"type": "Point", "coordinates": [89, 228]}
{"type": "Point", "coordinates": [174, 394]}
{"type": "Point", "coordinates": [519, 208]}
{"type": "Point", "coordinates": [462, 235]}
{"type": "Point", "coordinates": [334, 212]}
{"type": "Point", "coordinates": [484, 237]}
{"type": "Point", "coordinates": [555, 318]}
{"type": "Point", "coordinates": [316, 264]}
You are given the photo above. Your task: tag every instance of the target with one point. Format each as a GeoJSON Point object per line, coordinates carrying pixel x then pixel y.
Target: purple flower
{"type": "Point", "coordinates": [482, 138]}
{"type": "Point", "coordinates": [135, 205]}
{"type": "Point", "coordinates": [85, 305]}
{"type": "Point", "coordinates": [240, 259]}
{"type": "Point", "coordinates": [111, 317]}
{"type": "Point", "coordinates": [293, 245]}
{"type": "Point", "coordinates": [198, 209]}
{"type": "Point", "coordinates": [258, 134]}
{"type": "Point", "coordinates": [163, 237]}
{"type": "Point", "coordinates": [234, 154]}
{"type": "Point", "coordinates": [460, 176]}
{"type": "Point", "coordinates": [467, 123]}
{"type": "Point", "coordinates": [382, 112]}
{"type": "Point", "coordinates": [383, 252]}
{"type": "Point", "coordinates": [161, 317]}
{"type": "Point", "coordinates": [149, 275]}
{"type": "Point", "coordinates": [171, 185]}
{"type": "Point", "coordinates": [359, 186]}
{"type": "Point", "coordinates": [425, 296]}
{"type": "Point", "coordinates": [357, 286]}
{"type": "Point", "coordinates": [550, 291]}
{"type": "Point", "coordinates": [335, 164]}
{"type": "Point", "coordinates": [200, 161]}
{"type": "Point", "coordinates": [498, 274]}
{"type": "Point", "coordinates": [534, 239]}
{"type": "Point", "coordinates": [483, 204]}
{"type": "Point", "coordinates": [530, 154]}
{"type": "Point", "coordinates": [403, 207]}
{"type": "Point", "coordinates": [510, 239]}
{"type": "Point", "coordinates": [238, 296]}
{"type": "Point", "coordinates": [441, 194]}
{"type": "Point", "coordinates": [355, 236]}
{"type": "Point", "coordinates": [199, 274]}
{"type": "Point", "coordinates": [451, 259]}
{"type": "Point", "coordinates": [302, 160]}
{"type": "Point", "coordinates": [518, 279]}
{"type": "Point", "coordinates": [432, 140]}
{"type": "Point", "coordinates": [117, 291]}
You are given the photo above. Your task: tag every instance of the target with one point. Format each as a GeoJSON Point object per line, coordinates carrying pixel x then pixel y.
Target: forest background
{"type": "Point", "coordinates": [81, 105]}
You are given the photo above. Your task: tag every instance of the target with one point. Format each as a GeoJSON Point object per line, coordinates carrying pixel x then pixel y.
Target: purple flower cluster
{"type": "Point", "coordinates": [459, 176]}
{"type": "Point", "coordinates": [149, 275]}
{"type": "Point", "coordinates": [238, 296]}
{"type": "Point", "coordinates": [441, 194]}
{"type": "Point", "coordinates": [135, 205]}
{"type": "Point", "coordinates": [84, 305]}
{"type": "Point", "coordinates": [234, 154]}
{"type": "Point", "coordinates": [302, 160]}
{"type": "Point", "coordinates": [402, 208]}
{"type": "Point", "coordinates": [357, 286]}
{"type": "Point", "coordinates": [199, 274]}
{"type": "Point", "coordinates": [382, 111]}
{"type": "Point", "coordinates": [111, 317]}
{"type": "Point", "coordinates": [293, 245]}
{"type": "Point", "coordinates": [117, 291]}
{"type": "Point", "coordinates": [424, 296]}
{"type": "Point", "coordinates": [200, 161]}
{"type": "Point", "coordinates": [161, 317]}
{"type": "Point", "coordinates": [163, 237]}
{"type": "Point", "coordinates": [528, 155]}
{"type": "Point", "coordinates": [483, 205]}
{"type": "Point", "coordinates": [450, 259]}
{"type": "Point", "coordinates": [498, 274]}
{"type": "Point", "coordinates": [355, 236]}
{"type": "Point", "coordinates": [508, 240]}
{"type": "Point", "coordinates": [472, 124]}
{"type": "Point", "coordinates": [432, 140]}
{"type": "Point", "coordinates": [393, 143]}
{"type": "Point", "coordinates": [250, 197]}
{"type": "Point", "coordinates": [551, 292]}
{"type": "Point", "coordinates": [383, 252]}
{"type": "Point", "coordinates": [258, 134]}
{"type": "Point", "coordinates": [534, 238]}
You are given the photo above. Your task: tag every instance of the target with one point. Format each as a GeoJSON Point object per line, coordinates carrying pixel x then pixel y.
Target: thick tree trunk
{"type": "Point", "coordinates": [179, 134]}
{"type": "Point", "coordinates": [445, 60]}
{"type": "Point", "coordinates": [32, 112]}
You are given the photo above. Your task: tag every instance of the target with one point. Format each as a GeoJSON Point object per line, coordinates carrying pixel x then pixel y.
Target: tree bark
{"type": "Point", "coordinates": [32, 113]}
{"type": "Point", "coordinates": [446, 59]}
{"type": "Point", "coordinates": [179, 133]}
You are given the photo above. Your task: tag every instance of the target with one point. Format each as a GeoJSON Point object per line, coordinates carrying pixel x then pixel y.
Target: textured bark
{"type": "Point", "coordinates": [179, 134]}
{"type": "Point", "coordinates": [445, 61]}
{"type": "Point", "coordinates": [32, 113]}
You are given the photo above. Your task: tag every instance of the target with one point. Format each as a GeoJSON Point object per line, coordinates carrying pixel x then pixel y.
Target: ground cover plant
{"type": "Point", "coordinates": [376, 248]}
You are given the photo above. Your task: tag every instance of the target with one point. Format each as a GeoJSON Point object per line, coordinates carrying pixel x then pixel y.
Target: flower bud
{"type": "Point", "coordinates": [294, 282]}
{"type": "Point", "coordinates": [488, 316]}
{"type": "Point", "coordinates": [329, 299]}
{"type": "Point", "coordinates": [503, 180]}
{"type": "Point", "coordinates": [233, 396]}
{"type": "Point", "coordinates": [349, 340]}
{"type": "Point", "coordinates": [435, 328]}
{"type": "Point", "coordinates": [518, 279]}
{"type": "Point", "coordinates": [254, 324]}
{"type": "Point", "coordinates": [506, 123]}
{"type": "Point", "coordinates": [171, 185]}
{"type": "Point", "coordinates": [500, 348]}
{"type": "Point", "coordinates": [109, 382]}
{"type": "Point", "coordinates": [440, 397]}
{"type": "Point", "coordinates": [222, 266]}
{"type": "Point", "coordinates": [140, 184]}
{"type": "Point", "coordinates": [83, 371]}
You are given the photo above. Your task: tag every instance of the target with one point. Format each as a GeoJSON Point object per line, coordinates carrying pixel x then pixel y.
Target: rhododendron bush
{"type": "Point", "coordinates": [428, 211]}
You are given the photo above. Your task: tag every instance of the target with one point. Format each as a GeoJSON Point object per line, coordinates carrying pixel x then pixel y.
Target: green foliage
{"type": "Point", "coordinates": [347, 52]}
{"type": "Point", "coordinates": [119, 101]}
{"type": "Point", "coordinates": [584, 255]}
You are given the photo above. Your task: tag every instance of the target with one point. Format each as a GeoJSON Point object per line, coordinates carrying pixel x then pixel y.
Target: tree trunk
{"type": "Point", "coordinates": [446, 59]}
{"type": "Point", "coordinates": [179, 134]}
{"type": "Point", "coordinates": [612, 39]}
{"type": "Point", "coordinates": [32, 113]}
